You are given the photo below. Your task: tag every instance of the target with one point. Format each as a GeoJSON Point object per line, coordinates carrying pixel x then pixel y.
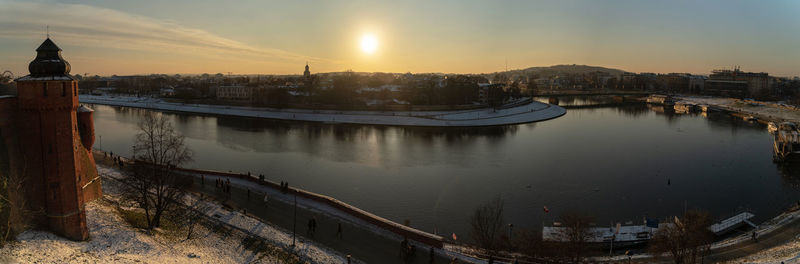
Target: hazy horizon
{"type": "Point", "coordinates": [254, 37]}
{"type": "Point", "coordinates": [368, 72]}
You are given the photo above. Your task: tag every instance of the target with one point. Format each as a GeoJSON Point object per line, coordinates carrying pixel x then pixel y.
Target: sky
{"type": "Point", "coordinates": [119, 37]}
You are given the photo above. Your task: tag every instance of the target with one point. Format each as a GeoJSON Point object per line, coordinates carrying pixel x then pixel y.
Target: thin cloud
{"type": "Point", "coordinates": [84, 25]}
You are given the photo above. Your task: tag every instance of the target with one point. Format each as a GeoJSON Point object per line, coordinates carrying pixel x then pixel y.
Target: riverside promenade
{"type": "Point", "coordinates": [365, 237]}
{"type": "Point", "coordinates": [515, 112]}
{"type": "Point", "coordinates": [362, 240]}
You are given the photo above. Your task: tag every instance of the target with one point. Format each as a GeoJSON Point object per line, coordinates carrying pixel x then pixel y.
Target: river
{"type": "Point", "coordinates": [617, 164]}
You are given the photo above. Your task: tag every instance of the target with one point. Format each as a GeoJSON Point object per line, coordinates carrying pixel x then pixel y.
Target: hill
{"type": "Point", "coordinates": [555, 70]}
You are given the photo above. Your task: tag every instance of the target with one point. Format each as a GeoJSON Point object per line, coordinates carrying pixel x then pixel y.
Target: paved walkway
{"type": "Point", "coordinates": [372, 244]}
{"type": "Point", "coordinates": [361, 240]}
{"type": "Point", "coordinates": [775, 238]}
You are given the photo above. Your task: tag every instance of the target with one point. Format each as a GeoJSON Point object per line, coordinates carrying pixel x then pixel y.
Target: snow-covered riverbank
{"type": "Point", "coordinates": [762, 110]}
{"type": "Point", "coordinates": [113, 240]}
{"type": "Point", "coordinates": [526, 113]}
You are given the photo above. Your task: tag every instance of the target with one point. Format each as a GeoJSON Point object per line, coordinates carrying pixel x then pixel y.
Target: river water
{"type": "Point", "coordinates": [617, 164]}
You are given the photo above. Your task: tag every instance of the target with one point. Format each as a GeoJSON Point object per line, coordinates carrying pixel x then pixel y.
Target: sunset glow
{"type": "Point", "coordinates": [369, 44]}
{"type": "Point", "coordinates": [415, 36]}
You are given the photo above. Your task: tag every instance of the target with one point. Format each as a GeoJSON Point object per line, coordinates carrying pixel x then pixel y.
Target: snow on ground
{"type": "Point", "coordinates": [762, 229]}
{"type": "Point", "coordinates": [451, 250]}
{"type": "Point", "coordinates": [307, 249]}
{"type": "Point", "coordinates": [114, 241]}
{"type": "Point", "coordinates": [524, 113]}
{"type": "Point", "coordinates": [322, 208]}
{"type": "Point", "coordinates": [786, 253]}
{"type": "Point", "coordinates": [771, 110]}
{"type": "Point", "coordinates": [310, 205]}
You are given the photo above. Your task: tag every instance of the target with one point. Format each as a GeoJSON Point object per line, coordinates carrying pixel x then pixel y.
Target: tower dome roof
{"type": "Point", "coordinates": [48, 61]}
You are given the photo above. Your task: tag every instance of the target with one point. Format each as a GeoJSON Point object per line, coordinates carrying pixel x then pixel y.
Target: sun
{"type": "Point", "coordinates": [369, 44]}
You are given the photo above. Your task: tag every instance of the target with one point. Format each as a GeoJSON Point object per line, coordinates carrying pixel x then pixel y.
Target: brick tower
{"type": "Point", "coordinates": [59, 168]}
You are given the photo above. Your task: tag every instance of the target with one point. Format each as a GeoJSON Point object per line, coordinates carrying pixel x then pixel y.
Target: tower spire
{"type": "Point", "coordinates": [48, 31]}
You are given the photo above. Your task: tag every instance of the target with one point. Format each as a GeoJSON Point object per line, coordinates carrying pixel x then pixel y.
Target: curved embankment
{"type": "Point", "coordinates": [523, 113]}
{"type": "Point", "coordinates": [401, 230]}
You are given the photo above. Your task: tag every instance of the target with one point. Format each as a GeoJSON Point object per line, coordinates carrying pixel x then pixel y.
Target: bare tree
{"type": "Point", "coordinates": [576, 233]}
{"type": "Point", "coordinates": [190, 215]}
{"type": "Point", "coordinates": [487, 225]}
{"type": "Point", "coordinates": [154, 185]}
{"type": "Point", "coordinates": [15, 215]}
{"type": "Point", "coordinates": [528, 242]}
{"type": "Point", "coordinates": [686, 240]}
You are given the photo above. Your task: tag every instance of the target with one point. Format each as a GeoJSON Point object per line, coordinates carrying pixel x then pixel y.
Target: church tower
{"type": "Point", "coordinates": [57, 164]}
{"type": "Point", "coordinates": [307, 73]}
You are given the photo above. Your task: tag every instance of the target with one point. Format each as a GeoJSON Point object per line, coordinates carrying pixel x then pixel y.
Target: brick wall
{"type": "Point", "coordinates": [57, 166]}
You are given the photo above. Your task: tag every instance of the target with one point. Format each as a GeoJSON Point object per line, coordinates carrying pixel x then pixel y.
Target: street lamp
{"type": "Point", "coordinates": [510, 228]}
{"type": "Point", "coordinates": [294, 228]}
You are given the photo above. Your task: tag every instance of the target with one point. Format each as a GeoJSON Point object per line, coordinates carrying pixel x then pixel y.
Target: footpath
{"type": "Point", "coordinates": [363, 240]}
{"type": "Point", "coordinates": [291, 210]}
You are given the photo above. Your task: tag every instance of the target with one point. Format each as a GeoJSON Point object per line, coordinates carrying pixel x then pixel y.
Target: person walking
{"type": "Point", "coordinates": [339, 230]}
{"type": "Point", "coordinates": [403, 248]}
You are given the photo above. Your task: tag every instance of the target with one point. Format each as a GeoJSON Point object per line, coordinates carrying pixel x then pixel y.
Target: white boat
{"type": "Point", "coordinates": [619, 236]}
{"type": "Point", "coordinates": [772, 127]}
{"type": "Point", "coordinates": [682, 107]}
{"type": "Point", "coordinates": [660, 99]}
